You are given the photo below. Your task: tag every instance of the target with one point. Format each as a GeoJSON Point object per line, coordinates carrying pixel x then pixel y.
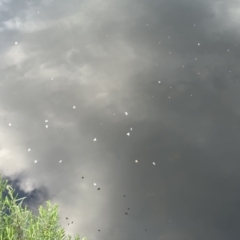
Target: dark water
{"type": "Point", "coordinates": [89, 87]}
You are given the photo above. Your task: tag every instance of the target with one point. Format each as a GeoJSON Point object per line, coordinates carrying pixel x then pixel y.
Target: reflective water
{"type": "Point", "coordinates": [125, 113]}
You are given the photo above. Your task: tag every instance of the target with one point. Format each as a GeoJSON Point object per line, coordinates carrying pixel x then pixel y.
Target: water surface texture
{"type": "Point", "coordinates": [125, 113]}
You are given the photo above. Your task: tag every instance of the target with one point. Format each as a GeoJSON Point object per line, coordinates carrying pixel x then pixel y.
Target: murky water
{"type": "Point", "coordinates": [125, 113]}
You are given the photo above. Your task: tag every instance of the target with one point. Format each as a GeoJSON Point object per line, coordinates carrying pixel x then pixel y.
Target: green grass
{"type": "Point", "coordinates": [18, 223]}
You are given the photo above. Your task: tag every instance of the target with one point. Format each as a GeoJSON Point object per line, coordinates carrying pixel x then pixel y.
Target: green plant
{"type": "Point", "coordinates": [21, 224]}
